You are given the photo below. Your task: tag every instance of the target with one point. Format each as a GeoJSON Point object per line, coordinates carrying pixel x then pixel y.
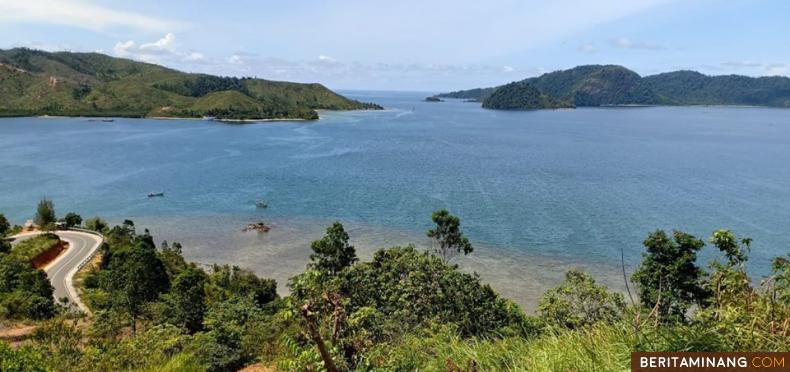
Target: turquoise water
{"type": "Point", "coordinates": [535, 190]}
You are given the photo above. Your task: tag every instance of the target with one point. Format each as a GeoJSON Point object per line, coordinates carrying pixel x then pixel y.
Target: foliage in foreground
{"type": "Point", "coordinates": [403, 310]}
{"type": "Point", "coordinates": [25, 292]}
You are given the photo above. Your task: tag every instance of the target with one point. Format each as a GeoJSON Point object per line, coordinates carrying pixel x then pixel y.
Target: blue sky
{"type": "Point", "coordinates": [409, 44]}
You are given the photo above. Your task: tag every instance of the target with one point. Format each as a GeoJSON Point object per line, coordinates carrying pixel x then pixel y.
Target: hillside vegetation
{"type": "Point", "coordinates": [521, 96]}
{"type": "Point", "coordinates": [693, 88]}
{"type": "Point", "coordinates": [404, 310]}
{"type": "Point", "coordinates": [34, 82]}
{"type": "Point", "coordinates": [605, 85]}
{"type": "Point", "coordinates": [477, 94]}
{"type": "Point", "coordinates": [28, 249]}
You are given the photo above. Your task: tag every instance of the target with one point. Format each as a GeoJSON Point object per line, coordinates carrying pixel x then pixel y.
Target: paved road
{"type": "Point", "coordinates": [61, 271]}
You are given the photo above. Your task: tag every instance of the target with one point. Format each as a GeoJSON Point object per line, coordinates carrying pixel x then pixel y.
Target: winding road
{"type": "Point", "coordinates": [61, 271]}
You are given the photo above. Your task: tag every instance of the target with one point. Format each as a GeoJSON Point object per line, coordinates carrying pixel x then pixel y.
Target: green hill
{"type": "Point", "coordinates": [602, 85]}
{"type": "Point", "coordinates": [34, 82]}
{"type": "Point", "coordinates": [596, 85]}
{"type": "Point", "coordinates": [690, 87]}
{"type": "Point", "coordinates": [477, 94]}
{"type": "Point", "coordinates": [521, 96]}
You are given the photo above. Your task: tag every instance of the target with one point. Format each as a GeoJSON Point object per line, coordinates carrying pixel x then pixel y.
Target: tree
{"type": "Point", "coordinates": [187, 299]}
{"type": "Point", "coordinates": [579, 302]}
{"type": "Point", "coordinates": [448, 235]}
{"type": "Point", "coordinates": [233, 333]}
{"type": "Point", "coordinates": [736, 251]}
{"type": "Point", "coordinates": [45, 214]}
{"type": "Point", "coordinates": [136, 276]}
{"type": "Point", "coordinates": [72, 219]}
{"type": "Point", "coordinates": [728, 283]}
{"type": "Point", "coordinates": [25, 292]}
{"type": "Point", "coordinates": [227, 281]}
{"type": "Point", "coordinates": [332, 253]}
{"type": "Point", "coordinates": [411, 288]}
{"type": "Point", "coordinates": [4, 225]}
{"type": "Point", "coordinates": [668, 277]}
{"type": "Point", "coordinates": [172, 257]}
{"type": "Point", "coordinates": [780, 266]}
{"type": "Point", "coordinates": [96, 224]}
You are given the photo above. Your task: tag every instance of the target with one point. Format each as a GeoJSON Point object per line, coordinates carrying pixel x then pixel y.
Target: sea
{"type": "Point", "coordinates": [538, 192]}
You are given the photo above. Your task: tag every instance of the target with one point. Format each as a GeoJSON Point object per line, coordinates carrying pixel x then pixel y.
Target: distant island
{"type": "Point", "coordinates": [612, 85]}
{"type": "Point", "coordinates": [34, 83]}
{"type": "Point", "coordinates": [433, 99]}
{"type": "Point", "coordinates": [521, 96]}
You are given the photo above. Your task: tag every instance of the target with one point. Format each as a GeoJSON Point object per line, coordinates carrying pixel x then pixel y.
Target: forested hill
{"type": "Point", "coordinates": [521, 96]}
{"type": "Point", "coordinates": [476, 94]}
{"type": "Point", "coordinates": [694, 88]}
{"type": "Point", "coordinates": [602, 85]}
{"type": "Point", "coordinates": [35, 82]}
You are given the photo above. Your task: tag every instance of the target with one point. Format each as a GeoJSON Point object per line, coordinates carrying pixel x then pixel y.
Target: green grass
{"type": "Point", "coordinates": [28, 249]}
{"type": "Point", "coordinates": [603, 347]}
{"type": "Point", "coordinates": [599, 348]}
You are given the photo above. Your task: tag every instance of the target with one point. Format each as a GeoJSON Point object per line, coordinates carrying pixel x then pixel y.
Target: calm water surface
{"type": "Point", "coordinates": [537, 192]}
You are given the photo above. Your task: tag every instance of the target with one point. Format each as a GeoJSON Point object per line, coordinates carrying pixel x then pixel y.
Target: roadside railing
{"type": "Point", "coordinates": [93, 254]}
{"type": "Point", "coordinates": [82, 264]}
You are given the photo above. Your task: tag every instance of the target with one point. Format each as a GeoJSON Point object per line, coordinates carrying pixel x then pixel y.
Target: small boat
{"type": "Point", "coordinates": [108, 120]}
{"type": "Point", "coordinates": [156, 194]}
{"type": "Point", "coordinates": [261, 204]}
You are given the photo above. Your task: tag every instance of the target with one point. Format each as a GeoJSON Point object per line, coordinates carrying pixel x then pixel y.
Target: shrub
{"type": "Point", "coordinates": [25, 292]}
{"type": "Point", "coordinates": [96, 224]}
{"type": "Point", "coordinates": [4, 225]}
{"type": "Point", "coordinates": [72, 219]}
{"type": "Point", "coordinates": [579, 302]}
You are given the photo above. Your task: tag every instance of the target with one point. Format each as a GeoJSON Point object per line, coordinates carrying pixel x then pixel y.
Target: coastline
{"type": "Point", "coordinates": [161, 118]}
{"type": "Point", "coordinates": [284, 252]}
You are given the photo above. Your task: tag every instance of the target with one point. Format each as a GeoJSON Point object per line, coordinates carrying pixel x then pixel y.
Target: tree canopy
{"type": "Point", "coordinates": [669, 279]}
{"type": "Point", "coordinates": [45, 214]}
{"type": "Point", "coordinates": [447, 234]}
{"type": "Point", "coordinates": [333, 253]}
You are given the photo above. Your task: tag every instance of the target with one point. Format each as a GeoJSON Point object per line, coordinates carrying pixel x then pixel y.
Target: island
{"type": "Point", "coordinates": [34, 83]}
{"type": "Point", "coordinates": [522, 96]}
{"type": "Point", "coordinates": [433, 99]}
{"type": "Point", "coordinates": [612, 85]}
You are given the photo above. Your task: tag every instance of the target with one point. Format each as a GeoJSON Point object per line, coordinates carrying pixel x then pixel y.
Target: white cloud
{"type": "Point", "coordinates": [163, 51]}
{"type": "Point", "coordinates": [777, 69]}
{"type": "Point", "coordinates": [124, 49]}
{"type": "Point", "coordinates": [350, 74]}
{"type": "Point", "coordinates": [164, 44]}
{"type": "Point", "coordinates": [742, 64]}
{"type": "Point", "coordinates": [587, 48]}
{"type": "Point", "coordinates": [235, 59]}
{"type": "Point", "coordinates": [81, 14]}
{"type": "Point", "coordinates": [626, 43]}
{"type": "Point", "coordinates": [194, 56]}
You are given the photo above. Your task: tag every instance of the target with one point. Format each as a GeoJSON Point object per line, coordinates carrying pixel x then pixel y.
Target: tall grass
{"type": "Point", "coordinates": [603, 347]}
{"type": "Point", "coordinates": [28, 249]}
